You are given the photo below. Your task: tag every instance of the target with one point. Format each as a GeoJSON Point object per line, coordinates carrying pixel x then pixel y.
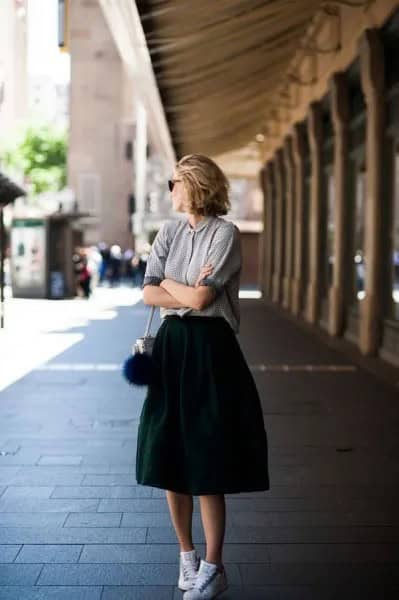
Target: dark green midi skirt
{"type": "Point", "coordinates": [201, 428]}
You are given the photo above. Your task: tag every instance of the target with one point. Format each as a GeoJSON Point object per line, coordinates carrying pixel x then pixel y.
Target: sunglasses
{"type": "Point", "coordinates": [171, 183]}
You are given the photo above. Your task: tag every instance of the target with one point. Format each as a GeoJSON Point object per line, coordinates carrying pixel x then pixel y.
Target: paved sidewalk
{"type": "Point", "coordinates": [74, 525]}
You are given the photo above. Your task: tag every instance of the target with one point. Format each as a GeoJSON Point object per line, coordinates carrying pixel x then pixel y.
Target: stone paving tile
{"type": "Point", "coordinates": [138, 592]}
{"type": "Point", "coordinates": [31, 520]}
{"type": "Point", "coordinates": [320, 573]}
{"type": "Point", "coordinates": [118, 574]}
{"type": "Point", "coordinates": [133, 505]}
{"type": "Point", "coordinates": [93, 520]}
{"type": "Point", "coordinates": [47, 505]}
{"type": "Point", "coordinates": [334, 553]}
{"type": "Point", "coordinates": [130, 553]}
{"type": "Point", "coordinates": [49, 553]}
{"type": "Point", "coordinates": [94, 491]}
{"type": "Point", "coordinates": [151, 519]}
{"type": "Point", "coordinates": [70, 444]}
{"type": "Point", "coordinates": [110, 479]}
{"type": "Point", "coordinates": [21, 592]}
{"type": "Point", "coordinates": [20, 491]}
{"type": "Point", "coordinates": [14, 574]}
{"type": "Point", "coordinates": [8, 553]}
{"type": "Point", "coordinates": [60, 460]}
{"type": "Point", "coordinates": [316, 519]}
{"type": "Point", "coordinates": [7, 473]}
{"type": "Point", "coordinates": [24, 457]}
{"type": "Point", "coordinates": [73, 535]}
{"type": "Point", "coordinates": [45, 479]}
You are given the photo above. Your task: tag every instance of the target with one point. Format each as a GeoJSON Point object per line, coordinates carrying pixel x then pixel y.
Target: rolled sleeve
{"type": "Point", "coordinates": [155, 268]}
{"type": "Point", "coordinates": [225, 257]}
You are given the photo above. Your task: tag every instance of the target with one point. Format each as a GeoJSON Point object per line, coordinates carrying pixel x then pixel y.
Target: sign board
{"type": "Point", "coordinates": [28, 256]}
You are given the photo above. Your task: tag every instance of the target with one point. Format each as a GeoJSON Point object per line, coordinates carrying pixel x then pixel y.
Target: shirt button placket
{"type": "Point", "coordinates": [191, 252]}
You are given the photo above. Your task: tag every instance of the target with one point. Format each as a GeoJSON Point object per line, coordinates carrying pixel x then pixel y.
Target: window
{"type": "Point", "coordinates": [359, 259]}
{"type": "Point", "coordinates": [89, 193]}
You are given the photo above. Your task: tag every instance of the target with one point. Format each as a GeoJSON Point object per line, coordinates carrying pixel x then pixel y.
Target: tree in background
{"type": "Point", "coordinates": [41, 155]}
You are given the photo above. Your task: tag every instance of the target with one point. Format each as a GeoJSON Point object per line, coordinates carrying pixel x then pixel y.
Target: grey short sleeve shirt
{"type": "Point", "coordinates": [179, 251]}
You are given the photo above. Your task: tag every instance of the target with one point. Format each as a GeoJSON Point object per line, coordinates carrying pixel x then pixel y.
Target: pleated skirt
{"type": "Point", "coordinates": [201, 428]}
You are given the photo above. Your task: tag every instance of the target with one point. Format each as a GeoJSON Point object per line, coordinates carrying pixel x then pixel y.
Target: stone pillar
{"type": "Point", "coordinates": [269, 237]}
{"type": "Point", "coordinates": [372, 79]}
{"type": "Point", "coordinates": [315, 140]}
{"type": "Point", "coordinates": [263, 237]}
{"type": "Point", "coordinates": [298, 147]}
{"type": "Point", "coordinates": [289, 221]}
{"type": "Point", "coordinates": [340, 117]}
{"type": "Point", "coordinates": [279, 227]}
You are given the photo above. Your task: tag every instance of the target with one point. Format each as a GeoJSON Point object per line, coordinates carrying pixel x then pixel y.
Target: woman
{"type": "Point", "coordinates": [201, 429]}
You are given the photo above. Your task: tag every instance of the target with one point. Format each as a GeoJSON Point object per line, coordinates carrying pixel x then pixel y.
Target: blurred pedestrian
{"type": "Point", "coordinates": [84, 278]}
{"type": "Point", "coordinates": [104, 251]}
{"type": "Point", "coordinates": [115, 264]}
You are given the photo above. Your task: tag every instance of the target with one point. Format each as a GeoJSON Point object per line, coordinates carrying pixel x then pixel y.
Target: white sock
{"type": "Point", "coordinates": [188, 553]}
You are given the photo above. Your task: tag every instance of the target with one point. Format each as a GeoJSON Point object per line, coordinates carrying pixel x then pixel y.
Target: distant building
{"type": "Point", "coordinates": [13, 64]}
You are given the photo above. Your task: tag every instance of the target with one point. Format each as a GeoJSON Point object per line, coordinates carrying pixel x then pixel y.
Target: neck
{"type": "Point", "coordinates": [194, 219]}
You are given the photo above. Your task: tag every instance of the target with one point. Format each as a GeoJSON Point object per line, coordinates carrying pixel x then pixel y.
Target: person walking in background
{"type": "Point", "coordinates": [201, 430]}
{"type": "Point", "coordinates": [104, 265]}
{"type": "Point", "coordinates": [115, 264]}
{"type": "Point", "coordinates": [84, 278]}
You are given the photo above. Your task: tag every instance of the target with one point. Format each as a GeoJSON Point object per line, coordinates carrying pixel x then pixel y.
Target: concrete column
{"type": "Point", "coordinates": [269, 236]}
{"type": "Point", "coordinates": [340, 117]}
{"type": "Point", "coordinates": [315, 140]}
{"type": "Point", "coordinates": [372, 79]}
{"type": "Point", "coordinates": [263, 237]}
{"type": "Point", "coordinates": [279, 226]}
{"type": "Point", "coordinates": [298, 147]}
{"type": "Point", "coordinates": [289, 221]}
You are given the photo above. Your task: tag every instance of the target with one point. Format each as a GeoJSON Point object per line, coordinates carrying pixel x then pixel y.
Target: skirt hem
{"type": "Point", "coordinates": [231, 490]}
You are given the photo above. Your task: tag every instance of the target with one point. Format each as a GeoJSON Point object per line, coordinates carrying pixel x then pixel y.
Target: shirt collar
{"type": "Point", "coordinates": [204, 221]}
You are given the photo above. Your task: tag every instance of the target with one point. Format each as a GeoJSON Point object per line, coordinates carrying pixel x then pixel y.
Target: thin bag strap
{"type": "Point", "coordinates": [149, 320]}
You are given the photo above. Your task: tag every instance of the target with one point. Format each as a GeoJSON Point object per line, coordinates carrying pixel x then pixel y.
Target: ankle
{"type": "Point", "coordinates": [218, 563]}
{"type": "Point", "coordinates": [186, 547]}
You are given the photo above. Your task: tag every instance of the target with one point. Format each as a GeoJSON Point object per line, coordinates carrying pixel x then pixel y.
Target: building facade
{"type": "Point", "coordinates": [13, 64]}
{"type": "Point", "coordinates": [331, 182]}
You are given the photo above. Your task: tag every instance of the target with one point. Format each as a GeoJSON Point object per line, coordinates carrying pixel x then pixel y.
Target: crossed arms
{"type": "Point", "coordinates": [171, 294]}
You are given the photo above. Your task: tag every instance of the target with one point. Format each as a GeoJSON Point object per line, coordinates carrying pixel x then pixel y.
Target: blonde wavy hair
{"type": "Point", "coordinates": [206, 184]}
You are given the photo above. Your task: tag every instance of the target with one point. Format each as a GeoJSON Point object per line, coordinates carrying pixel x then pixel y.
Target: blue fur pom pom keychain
{"type": "Point", "coordinates": [138, 369]}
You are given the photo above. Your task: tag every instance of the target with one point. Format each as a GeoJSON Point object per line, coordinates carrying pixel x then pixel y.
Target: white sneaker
{"type": "Point", "coordinates": [189, 565]}
{"type": "Point", "coordinates": [209, 583]}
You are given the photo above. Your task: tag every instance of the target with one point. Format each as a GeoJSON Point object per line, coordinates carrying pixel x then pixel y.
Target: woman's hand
{"type": "Point", "coordinates": [204, 272]}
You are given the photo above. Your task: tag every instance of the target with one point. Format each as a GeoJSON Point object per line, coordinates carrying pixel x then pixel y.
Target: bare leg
{"type": "Point", "coordinates": [181, 512]}
{"type": "Point", "coordinates": [213, 515]}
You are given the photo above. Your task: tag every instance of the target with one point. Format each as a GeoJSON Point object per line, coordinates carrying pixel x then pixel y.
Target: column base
{"type": "Point", "coordinates": [369, 326]}
{"type": "Point", "coordinates": [336, 311]}
{"type": "Point", "coordinates": [296, 296]}
{"type": "Point", "coordinates": [276, 288]}
{"type": "Point", "coordinates": [286, 292]}
{"type": "Point", "coordinates": [311, 303]}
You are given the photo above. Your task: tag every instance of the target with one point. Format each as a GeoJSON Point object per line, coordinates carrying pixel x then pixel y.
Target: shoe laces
{"type": "Point", "coordinates": [189, 567]}
{"type": "Point", "coordinates": [204, 579]}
